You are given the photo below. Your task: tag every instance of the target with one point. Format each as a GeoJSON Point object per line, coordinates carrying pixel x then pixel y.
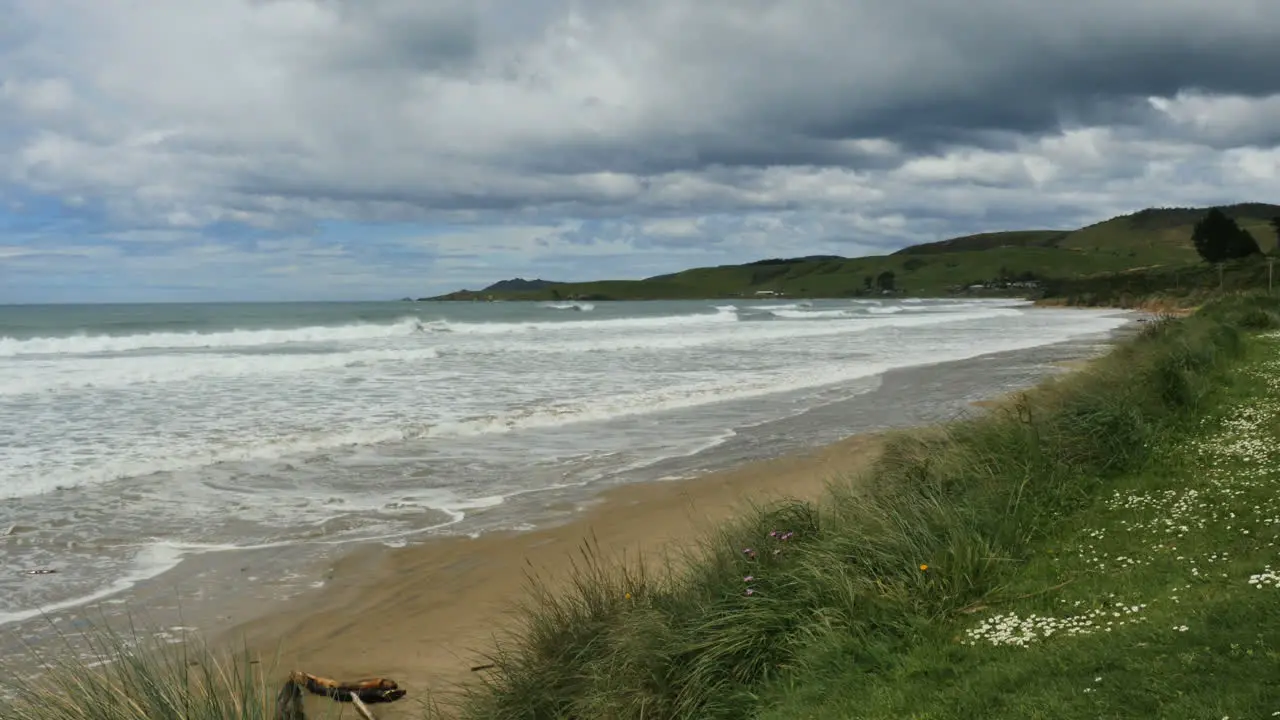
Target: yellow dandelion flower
{"type": "Point", "coordinates": [924, 567]}
{"type": "Point", "coordinates": [628, 596]}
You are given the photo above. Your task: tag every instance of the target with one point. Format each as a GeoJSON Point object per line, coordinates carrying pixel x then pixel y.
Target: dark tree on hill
{"type": "Point", "coordinates": [885, 280]}
{"type": "Point", "coordinates": [1218, 238]}
{"type": "Point", "coordinates": [1275, 226]}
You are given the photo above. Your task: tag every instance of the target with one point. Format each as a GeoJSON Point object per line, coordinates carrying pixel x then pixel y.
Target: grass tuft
{"type": "Point", "coordinates": [118, 677]}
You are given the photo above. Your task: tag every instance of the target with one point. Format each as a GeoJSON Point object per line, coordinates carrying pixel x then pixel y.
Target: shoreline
{"type": "Point", "coordinates": [422, 614]}
{"type": "Point", "coordinates": [218, 588]}
{"type": "Point", "coordinates": [418, 613]}
{"type": "Point", "coordinates": [1147, 307]}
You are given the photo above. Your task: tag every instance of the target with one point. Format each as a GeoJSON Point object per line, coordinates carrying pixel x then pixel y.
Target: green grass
{"type": "Point", "coordinates": [1100, 495]}
{"type": "Point", "coordinates": [1179, 286]}
{"type": "Point", "coordinates": [1164, 574]}
{"type": "Point", "coordinates": [989, 241]}
{"type": "Point", "coordinates": [1162, 236]}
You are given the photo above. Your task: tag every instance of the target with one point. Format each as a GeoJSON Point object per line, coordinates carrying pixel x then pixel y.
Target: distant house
{"type": "Point", "coordinates": [766, 293]}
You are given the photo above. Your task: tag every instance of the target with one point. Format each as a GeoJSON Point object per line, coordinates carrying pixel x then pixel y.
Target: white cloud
{"type": "Point", "coordinates": [1262, 166]}
{"type": "Point", "coordinates": [43, 96]}
{"type": "Point", "coordinates": [686, 227]}
{"type": "Point", "coordinates": [96, 252]}
{"type": "Point", "coordinates": [1230, 119]}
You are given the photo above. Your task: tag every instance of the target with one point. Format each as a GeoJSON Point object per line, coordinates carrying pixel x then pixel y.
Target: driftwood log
{"type": "Point", "coordinates": [357, 692]}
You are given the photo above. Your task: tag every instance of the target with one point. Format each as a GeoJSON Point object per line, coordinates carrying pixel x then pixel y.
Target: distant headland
{"type": "Point", "coordinates": [1016, 262]}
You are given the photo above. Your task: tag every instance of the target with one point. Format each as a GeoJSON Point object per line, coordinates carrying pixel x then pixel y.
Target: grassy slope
{"type": "Point", "coordinates": [985, 241]}
{"type": "Point", "coordinates": [1155, 238]}
{"type": "Point", "coordinates": [862, 612]}
{"type": "Point", "coordinates": [1156, 598]}
{"type": "Point", "coordinates": [1163, 236]}
{"type": "Point", "coordinates": [1163, 287]}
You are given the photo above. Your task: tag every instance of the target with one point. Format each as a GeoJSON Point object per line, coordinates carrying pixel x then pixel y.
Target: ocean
{"type": "Point", "coordinates": [136, 440]}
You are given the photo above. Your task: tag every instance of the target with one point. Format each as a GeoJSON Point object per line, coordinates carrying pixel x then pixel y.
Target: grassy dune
{"type": "Point", "coordinates": [1097, 548]}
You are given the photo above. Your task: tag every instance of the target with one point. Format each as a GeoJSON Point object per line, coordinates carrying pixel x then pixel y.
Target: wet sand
{"type": "Point", "coordinates": [424, 615]}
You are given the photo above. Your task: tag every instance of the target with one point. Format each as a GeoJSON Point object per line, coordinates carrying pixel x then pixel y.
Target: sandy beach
{"type": "Point", "coordinates": [424, 615]}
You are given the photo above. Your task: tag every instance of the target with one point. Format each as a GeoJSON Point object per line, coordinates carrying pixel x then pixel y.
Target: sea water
{"type": "Point", "coordinates": [135, 437]}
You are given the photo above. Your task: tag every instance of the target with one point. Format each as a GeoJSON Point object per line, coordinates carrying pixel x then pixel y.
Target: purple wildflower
{"type": "Point", "coordinates": [750, 591]}
{"type": "Point", "coordinates": [748, 578]}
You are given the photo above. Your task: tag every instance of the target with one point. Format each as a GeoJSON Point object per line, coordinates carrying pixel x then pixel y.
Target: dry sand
{"type": "Point", "coordinates": [423, 615]}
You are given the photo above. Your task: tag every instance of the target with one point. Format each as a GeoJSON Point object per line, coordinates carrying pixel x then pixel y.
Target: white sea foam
{"type": "Point", "coordinates": [82, 344]}
{"type": "Point", "coordinates": [340, 391]}
{"type": "Point", "coordinates": [810, 314]}
{"type": "Point", "coordinates": [327, 411]}
{"type": "Point", "coordinates": [785, 306]}
{"type": "Point", "coordinates": [149, 562]}
{"type": "Point", "coordinates": [35, 375]}
{"type": "Point", "coordinates": [576, 306]}
{"type": "Point", "coordinates": [113, 372]}
{"type": "Point", "coordinates": [723, 314]}
{"type": "Point", "coordinates": [158, 557]}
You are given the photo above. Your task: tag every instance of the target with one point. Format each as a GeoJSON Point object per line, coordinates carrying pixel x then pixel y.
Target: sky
{"type": "Point", "coordinates": [153, 150]}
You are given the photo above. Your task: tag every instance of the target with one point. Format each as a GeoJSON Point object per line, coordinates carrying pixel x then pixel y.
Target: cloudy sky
{"type": "Point", "coordinates": [367, 149]}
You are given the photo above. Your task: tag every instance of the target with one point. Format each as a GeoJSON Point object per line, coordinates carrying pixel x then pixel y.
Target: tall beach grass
{"type": "Point", "coordinates": [105, 674]}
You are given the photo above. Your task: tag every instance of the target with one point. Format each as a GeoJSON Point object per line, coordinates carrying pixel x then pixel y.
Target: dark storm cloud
{"type": "Point", "coordinates": [952, 77]}
{"type": "Point", "coordinates": [398, 36]}
{"type": "Point", "coordinates": [1039, 92]}
{"type": "Point", "coordinates": [666, 153]}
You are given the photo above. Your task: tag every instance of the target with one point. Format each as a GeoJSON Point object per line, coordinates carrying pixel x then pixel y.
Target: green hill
{"type": "Point", "coordinates": [519, 285]}
{"type": "Point", "coordinates": [987, 263]}
{"type": "Point", "coordinates": [989, 241]}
